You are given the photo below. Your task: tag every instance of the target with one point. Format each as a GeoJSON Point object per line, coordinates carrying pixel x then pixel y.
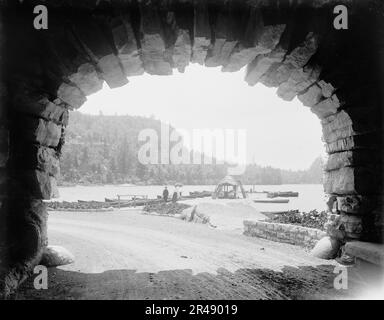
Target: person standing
{"type": "Point", "coordinates": [175, 196]}
{"type": "Point", "coordinates": [165, 194]}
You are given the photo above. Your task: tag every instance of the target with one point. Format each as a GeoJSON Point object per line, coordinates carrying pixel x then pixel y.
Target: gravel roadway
{"type": "Point", "coordinates": [130, 255]}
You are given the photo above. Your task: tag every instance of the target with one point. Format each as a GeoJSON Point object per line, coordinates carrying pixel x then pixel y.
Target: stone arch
{"type": "Point", "coordinates": [289, 45]}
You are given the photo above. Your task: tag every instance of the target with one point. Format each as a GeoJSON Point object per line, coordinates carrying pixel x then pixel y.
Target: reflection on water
{"type": "Point", "coordinates": [311, 196]}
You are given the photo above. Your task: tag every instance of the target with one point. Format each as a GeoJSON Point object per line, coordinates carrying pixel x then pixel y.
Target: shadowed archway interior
{"type": "Point", "coordinates": [288, 45]}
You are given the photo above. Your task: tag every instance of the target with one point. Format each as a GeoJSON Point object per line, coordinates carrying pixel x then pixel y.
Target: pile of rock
{"type": "Point", "coordinates": [311, 219]}
{"type": "Point", "coordinates": [192, 214]}
{"type": "Point", "coordinates": [166, 208]}
{"type": "Point", "coordinates": [79, 206]}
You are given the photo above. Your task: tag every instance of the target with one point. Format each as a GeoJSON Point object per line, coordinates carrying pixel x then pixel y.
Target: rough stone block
{"type": "Point", "coordinates": [296, 59]}
{"type": "Point", "coordinates": [260, 34]}
{"type": "Point", "coordinates": [258, 67]}
{"type": "Point", "coordinates": [240, 57]}
{"type": "Point", "coordinates": [41, 106]}
{"type": "Point", "coordinates": [327, 89]}
{"type": "Point", "coordinates": [202, 33]}
{"type": "Point", "coordinates": [125, 42]}
{"type": "Point", "coordinates": [350, 180]}
{"type": "Point", "coordinates": [182, 50]}
{"type": "Point", "coordinates": [300, 79]}
{"type": "Point", "coordinates": [227, 31]}
{"type": "Point", "coordinates": [332, 226]}
{"type": "Point", "coordinates": [326, 107]}
{"type": "Point", "coordinates": [267, 37]}
{"type": "Point", "coordinates": [352, 225]}
{"type": "Point", "coordinates": [154, 59]}
{"type": "Point", "coordinates": [71, 95]}
{"type": "Point", "coordinates": [258, 41]}
{"type": "Point", "coordinates": [32, 183]}
{"type": "Point", "coordinates": [91, 35]}
{"type": "Point", "coordinates": [38, 130]}
{"type": "Point", "coordinates": [54, 189]}
{"type": "Point", "coordinates": [356, 158]}
{"type": "Point", "coordinates": [276, 74]}
{"type": "Point", "coordinates": [360, 120]}
{"type": "Point", "coordinates": [311, 96]}
{"type": "Point", "coordinates": [366, 141]}
{"type": "Point", "coordinates": [302, 53]}
{"type": "Point", "coordinates": [32, 156]}
{"type": "Point", "coordinates": [153, 44]}
{"type": "Point", "coordinates": [27, 230]}
{"type": "Point", "coordinates": [342, 133]}
{"type": "Point", "coordinates": [87, 79]}
{"type": "Point", "coordinates": [371, 252]}
{"type": "Point", "coordinates": [111, 71]}
{"type": "Point", "coordinates": [336, 121]}
{"type": "Point", "coordinates": [218, 54]}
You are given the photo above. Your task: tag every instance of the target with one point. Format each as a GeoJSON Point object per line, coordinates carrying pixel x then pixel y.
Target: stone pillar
{"type": "Point", "coordinates": [354, 178]}
{"type": "Point", "coordinates": [352, 132]}
{"type": "Point", "coordinates": [35, 129]}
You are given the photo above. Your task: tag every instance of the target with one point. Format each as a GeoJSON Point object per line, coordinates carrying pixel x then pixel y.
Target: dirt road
{"type": "Point", "coordinates": [128, 255]}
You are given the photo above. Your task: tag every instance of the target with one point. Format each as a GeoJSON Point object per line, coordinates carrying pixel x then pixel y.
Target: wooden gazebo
{"type": "Point", "coordinates": [229, 188]}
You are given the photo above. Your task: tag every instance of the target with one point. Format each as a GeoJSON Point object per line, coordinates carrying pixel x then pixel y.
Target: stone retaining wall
{"type": "Point", "coordinates": [279, 232]}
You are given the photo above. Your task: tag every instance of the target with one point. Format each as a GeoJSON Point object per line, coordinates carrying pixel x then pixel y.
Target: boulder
{"type": "Point", "coordinates": [54, 256]}
{"type": "Point", "coordinates": [187, 214]}
{"type": "Point", "coordinates": [326, 248]}
{"type": "Point", "coordinates": [193, 214]}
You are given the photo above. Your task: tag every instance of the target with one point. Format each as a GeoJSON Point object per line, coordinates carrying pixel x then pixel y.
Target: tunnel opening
{"type": "Point", "coordinates": [286, 45]}
{"type": "Point", "coordinates": [224, 105]}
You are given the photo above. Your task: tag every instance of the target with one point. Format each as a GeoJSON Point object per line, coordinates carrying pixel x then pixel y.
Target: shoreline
{"type": "Point", "coordinates": [171, 184]}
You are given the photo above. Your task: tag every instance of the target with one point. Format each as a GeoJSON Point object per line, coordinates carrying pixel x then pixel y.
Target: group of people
{"type": "Point", "coordinates": [176, 194]}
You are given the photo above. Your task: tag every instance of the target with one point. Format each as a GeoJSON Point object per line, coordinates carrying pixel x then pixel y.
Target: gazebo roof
{"type": "Point", "coordinates": [229, 181]}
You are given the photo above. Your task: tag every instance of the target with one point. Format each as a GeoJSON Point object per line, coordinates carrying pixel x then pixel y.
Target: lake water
{"type": "Point", "coordinates": [311, 196]}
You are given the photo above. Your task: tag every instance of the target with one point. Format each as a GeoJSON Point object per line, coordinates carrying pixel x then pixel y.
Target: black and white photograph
{"type": "Point", "coordinates": [200, 152]}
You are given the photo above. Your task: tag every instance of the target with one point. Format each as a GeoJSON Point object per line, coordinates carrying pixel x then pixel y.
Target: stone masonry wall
{"type": "Point", "coordinates": [279, 232]}
{"type": "Point", "coordinates": [288, 45]}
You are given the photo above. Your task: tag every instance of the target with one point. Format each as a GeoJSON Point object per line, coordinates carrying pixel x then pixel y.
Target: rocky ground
{"type": "Point", "coordinates": [128, 255]}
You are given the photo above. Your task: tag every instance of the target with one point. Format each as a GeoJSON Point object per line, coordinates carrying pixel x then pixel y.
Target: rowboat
{"type": "Point", "coordinates": [271, 200]}
{"type": "Point", "coordinates": [282, 194]}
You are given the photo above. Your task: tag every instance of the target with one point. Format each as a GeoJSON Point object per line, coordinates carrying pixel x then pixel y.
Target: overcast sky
{"type": "Point", "coordinates": [279, 133]}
